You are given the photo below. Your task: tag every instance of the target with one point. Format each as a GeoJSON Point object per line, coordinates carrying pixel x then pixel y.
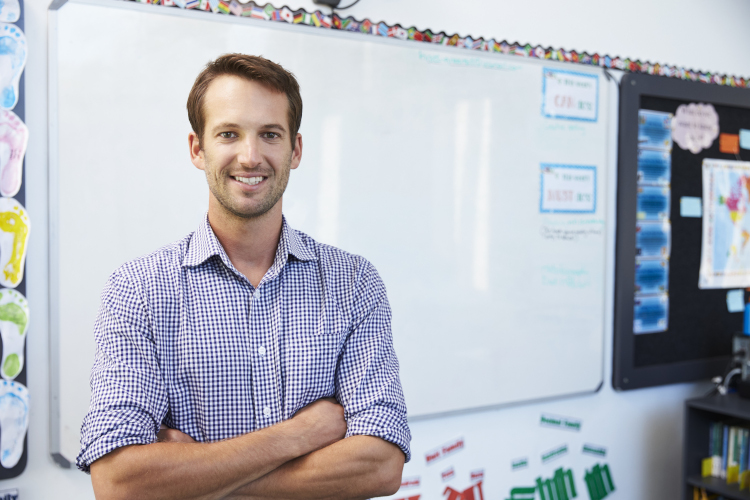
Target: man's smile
{"type": "Point", "coordinates": [252, 181]}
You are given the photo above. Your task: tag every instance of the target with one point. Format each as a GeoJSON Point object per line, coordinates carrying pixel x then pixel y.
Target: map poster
{"type": "Point", "coordinates": [725, 253]}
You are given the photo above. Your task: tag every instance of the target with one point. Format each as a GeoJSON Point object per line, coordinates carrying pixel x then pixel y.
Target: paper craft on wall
{"type": "Point", "coordinates": [14, 322]}
{"type": "Point", "coordinates": [14, 421]}
{"type": "Point", "coordinates": [14, 136]}
{"type": "Point", "coordinates": [10, 11]}
{"type": "Point", "coordinates": [14, 235]}
{"type": "Point", "coordinates": [12, 62]}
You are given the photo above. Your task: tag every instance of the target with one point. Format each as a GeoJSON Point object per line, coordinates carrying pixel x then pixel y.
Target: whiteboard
{"type": "Point", "coordinates": [428, 161]}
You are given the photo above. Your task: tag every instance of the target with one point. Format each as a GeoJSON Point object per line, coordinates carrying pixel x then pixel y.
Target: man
{"type": "Point", "coordinates": [265, 357]}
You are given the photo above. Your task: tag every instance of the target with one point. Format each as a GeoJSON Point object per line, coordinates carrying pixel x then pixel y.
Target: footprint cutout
{"type": "Point", "coordinates": [14, 421]}
{"type": "Point", "coordinates": [14, 136]}
{"type": "Point", "coordinates": [14, 235]}
{"type": "Point", "coordinates": [14, 322]}
{"type": "Point", "coordinates": [10, 11]}
{"type": "Point", "coordinates": [12, 62]}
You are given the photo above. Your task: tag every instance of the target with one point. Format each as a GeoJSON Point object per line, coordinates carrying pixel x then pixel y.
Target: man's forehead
{"type": "Point", "coordinates": [234, 95]}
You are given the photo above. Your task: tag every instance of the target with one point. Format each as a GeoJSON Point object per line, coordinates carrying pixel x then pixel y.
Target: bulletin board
{"type": "Point", "coordinates": [674, 320]}
{"type": "Point", "coordinates": [14, 395]}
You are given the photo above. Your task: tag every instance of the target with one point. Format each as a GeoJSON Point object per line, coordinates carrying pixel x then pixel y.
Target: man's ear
{"type": "Point", "coordinates": [196, 153]}
{"type": "Point", "coordinates": [297, 153]}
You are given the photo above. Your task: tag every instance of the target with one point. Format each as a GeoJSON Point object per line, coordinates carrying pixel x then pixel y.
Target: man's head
{"type": "Point", "coordinates": [245, 135]}
{"type": "Point", "coordinates": [252, 68]}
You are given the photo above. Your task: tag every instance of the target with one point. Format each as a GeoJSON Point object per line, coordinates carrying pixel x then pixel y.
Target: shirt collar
{"type": "Point", "coordinates": [204, 244]}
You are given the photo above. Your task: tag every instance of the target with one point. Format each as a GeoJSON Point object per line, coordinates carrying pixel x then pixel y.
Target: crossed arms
{"type": "Point", "coordinates": [303, 457]}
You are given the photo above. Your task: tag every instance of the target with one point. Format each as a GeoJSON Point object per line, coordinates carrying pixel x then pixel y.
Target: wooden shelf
{"type": "Point", "coordinates": [720, 486]}
{"type": "Point", "coordinates": [730, 405]}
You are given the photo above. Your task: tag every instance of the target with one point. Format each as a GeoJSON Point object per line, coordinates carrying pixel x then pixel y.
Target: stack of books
{"type": "Point", "coordinates": [728, 454]}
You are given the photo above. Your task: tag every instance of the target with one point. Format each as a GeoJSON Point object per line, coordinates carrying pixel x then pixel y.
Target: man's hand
{"type": "Point", "coordinates": [323, 420]}
{"type": "Point", "coordinates": [167, 435]}
{"type": "Point", "coordinates": [178, 467]}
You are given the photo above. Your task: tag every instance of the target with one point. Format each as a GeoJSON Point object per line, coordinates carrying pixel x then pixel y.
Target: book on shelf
{"type": "Point", "coordinates": [728, 453]}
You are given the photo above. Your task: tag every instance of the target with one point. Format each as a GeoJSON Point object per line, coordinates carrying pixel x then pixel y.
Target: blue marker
{"type": "Point", "coordinates": [746, 323]}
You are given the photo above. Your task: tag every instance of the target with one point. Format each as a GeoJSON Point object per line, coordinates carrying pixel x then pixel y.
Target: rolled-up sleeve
{"type": "Point", "coordinates": [367, 380]}
{"type": "Point", "coordinates": [128, 397]}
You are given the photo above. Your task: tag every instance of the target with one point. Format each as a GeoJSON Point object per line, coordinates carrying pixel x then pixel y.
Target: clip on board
{"type": "Point", "coordinates": [683, 229]}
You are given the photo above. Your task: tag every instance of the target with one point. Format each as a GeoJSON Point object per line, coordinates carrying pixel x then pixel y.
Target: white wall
{"type": "Point", "coordinates": [643, 428]}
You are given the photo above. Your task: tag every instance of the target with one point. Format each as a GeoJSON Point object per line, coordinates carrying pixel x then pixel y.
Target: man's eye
{"type": "Point", "coordinates": [271, 135]}
{"type": "Point", "coordinates": [227, 135]}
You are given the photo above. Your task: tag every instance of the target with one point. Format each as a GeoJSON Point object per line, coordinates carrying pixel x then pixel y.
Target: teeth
{"type": "Point", "coordinates": [249, 180]}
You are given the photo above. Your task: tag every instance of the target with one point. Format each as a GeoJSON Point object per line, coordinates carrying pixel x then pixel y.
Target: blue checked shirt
{"type": "Point", "coordinates": [183, 338]}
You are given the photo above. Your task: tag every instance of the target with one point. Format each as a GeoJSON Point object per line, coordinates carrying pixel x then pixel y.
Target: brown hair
{"type": "Point", "coordinates": [253, 68]}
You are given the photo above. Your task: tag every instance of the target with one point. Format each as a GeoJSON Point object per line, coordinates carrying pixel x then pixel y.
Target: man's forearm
{"type": "Point", "coordinates": [358, 467]}
{"type": "Point", "coordinates": [183, 470]}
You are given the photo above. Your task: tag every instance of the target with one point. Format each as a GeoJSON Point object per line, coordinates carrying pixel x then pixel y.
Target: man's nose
{"type": "Point", "coordinates": [250, 154]}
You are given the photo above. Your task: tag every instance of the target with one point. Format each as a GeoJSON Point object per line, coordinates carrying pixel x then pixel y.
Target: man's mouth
{"type": "Point", "coordinates": [249, 180]}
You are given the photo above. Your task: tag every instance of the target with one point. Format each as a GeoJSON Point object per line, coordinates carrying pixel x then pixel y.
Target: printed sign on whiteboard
{"type": "Point", "coordinates": [568, 189]}
{"type": "Point", "coordinates": [570, 95]}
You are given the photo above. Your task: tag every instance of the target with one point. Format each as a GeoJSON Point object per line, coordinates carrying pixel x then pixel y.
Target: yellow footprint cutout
{"type": "Point", "coordinates": [14, 235]}
{"type": "Point", "coordinates": [14, 322]}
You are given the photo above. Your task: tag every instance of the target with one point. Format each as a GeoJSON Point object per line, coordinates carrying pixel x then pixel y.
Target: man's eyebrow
{"type": "Point", "coordinates": [273, 126]}
{"type": "Point", "coordinates": [267, 126]}
{"type": "Point", "coordinates": [226, 125]}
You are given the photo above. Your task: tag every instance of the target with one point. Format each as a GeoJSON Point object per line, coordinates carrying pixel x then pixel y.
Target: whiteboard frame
{"type": "Point", "coordinates": [53, 185]}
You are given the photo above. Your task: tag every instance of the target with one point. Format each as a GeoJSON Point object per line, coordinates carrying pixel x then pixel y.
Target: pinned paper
{"type": "Point", "coordinates": [12, 60]}
{"type": "Point", "coordinates": [744, 139]}
{"type": "Point", "coordinates": [14, 421]}
{"type": "Point", "coordinates": [519, 463]}
{"type": "Point", "coordinates": [447, 474]}
{"type": "Point", "coordinates": [691, 206]}
{"type": "Point", "coordinates": [736, 301]}
{"type": "Point", "coordinates": [695, 126]}
{"type": "Point", "coordinates": [409, 482]}
{"type": "Point", "coordinates": [599, 451]}
{"type": "Point", "coordinates": [14, 233]}
{"type": "Point", "coordinates": [570, 95]}
{"type": "Point", "coordinates": [729, 143]}
{"type": "Point", "coordinates": [554, 453]}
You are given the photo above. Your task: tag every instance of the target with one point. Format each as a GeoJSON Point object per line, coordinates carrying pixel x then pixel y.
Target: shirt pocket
{"type": "Point", "coordinates": [312, 361]}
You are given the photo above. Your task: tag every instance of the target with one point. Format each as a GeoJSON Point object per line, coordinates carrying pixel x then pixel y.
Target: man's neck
{"type": "Point", "coordinates": [250, 244]}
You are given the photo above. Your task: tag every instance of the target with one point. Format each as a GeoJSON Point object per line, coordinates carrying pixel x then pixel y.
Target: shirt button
{"type": "Point", "coordinates": [256, 295]}
{"type": "Point", "coordinates": [262, 350]}
{"type": "Point", "coordinates": [266, 411]}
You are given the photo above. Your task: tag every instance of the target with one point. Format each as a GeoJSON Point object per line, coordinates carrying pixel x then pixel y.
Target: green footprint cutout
{"type": "Point", "coordinates": [14, 322]}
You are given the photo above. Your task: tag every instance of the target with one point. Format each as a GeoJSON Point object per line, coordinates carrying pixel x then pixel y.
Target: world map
{"type": "Point", "coordinates": [725, 256]}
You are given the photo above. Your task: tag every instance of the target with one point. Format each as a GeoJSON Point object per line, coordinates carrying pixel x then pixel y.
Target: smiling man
{"type": "Point", "coordinates": [245, 360]}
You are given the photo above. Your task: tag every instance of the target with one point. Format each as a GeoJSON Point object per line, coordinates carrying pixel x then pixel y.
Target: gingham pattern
{"type": "Point", "coordinates": [183, 338]}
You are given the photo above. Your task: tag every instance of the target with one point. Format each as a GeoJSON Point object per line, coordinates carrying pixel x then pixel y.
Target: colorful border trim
{"type": "Point", "coordinates": [318, 19]}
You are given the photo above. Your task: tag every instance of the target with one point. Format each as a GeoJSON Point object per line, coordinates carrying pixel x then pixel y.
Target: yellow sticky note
{"type": "Point", "coordinates": [745, 480]}
{"type": "Point", "coordinates": [733, 474]}
{"type": "Point", "coordinates": [707, 466]}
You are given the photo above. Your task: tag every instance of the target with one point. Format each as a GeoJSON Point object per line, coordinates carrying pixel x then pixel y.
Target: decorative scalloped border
{"type": "Point", "coordinates": [317, 19]}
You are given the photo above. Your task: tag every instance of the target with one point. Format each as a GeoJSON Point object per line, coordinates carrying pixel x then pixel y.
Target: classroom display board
{"type": "Point", "coordinates": [15, 225]}
{"type": "Point", "coordinates": [474, 184]}
{"type": "Point", "coordinates": [683, 259]}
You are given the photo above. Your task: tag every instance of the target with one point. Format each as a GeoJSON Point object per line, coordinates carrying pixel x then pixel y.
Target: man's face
{"type": "Point", "coordinates": [246, 150]}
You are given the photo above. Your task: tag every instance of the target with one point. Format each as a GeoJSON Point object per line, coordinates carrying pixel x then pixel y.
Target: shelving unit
{"type": "Point", "coordinates": [700, 413]}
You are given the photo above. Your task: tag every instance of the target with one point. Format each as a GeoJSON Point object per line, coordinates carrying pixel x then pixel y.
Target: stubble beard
{"type": "Point", "coordinates": [219, 189]}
